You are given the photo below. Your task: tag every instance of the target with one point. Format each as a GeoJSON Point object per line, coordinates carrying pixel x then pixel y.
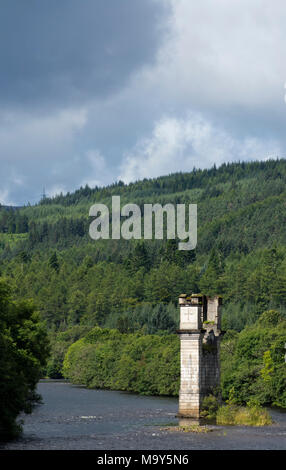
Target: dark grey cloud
{"type": "Point", "coordinates": [94, 90]}
{"type": "Point", "coordinates": [59, 53]}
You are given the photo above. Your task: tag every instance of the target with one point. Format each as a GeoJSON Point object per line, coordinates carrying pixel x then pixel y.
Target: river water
{"type": "Point", "coordinates": [74, 418]}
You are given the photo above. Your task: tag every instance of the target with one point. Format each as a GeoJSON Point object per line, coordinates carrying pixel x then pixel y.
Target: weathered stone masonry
{"type": "Point", "coordinates": [200, 333]}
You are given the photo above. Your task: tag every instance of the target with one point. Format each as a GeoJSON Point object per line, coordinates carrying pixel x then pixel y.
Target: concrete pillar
{"type": "Point", "coordinates": [199, 337]}
{"type": "Point", "coordinates": [190, 397]}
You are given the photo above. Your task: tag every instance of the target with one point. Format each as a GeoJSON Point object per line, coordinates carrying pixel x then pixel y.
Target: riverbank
{"type": "Point", "coordinates": [73, 418]}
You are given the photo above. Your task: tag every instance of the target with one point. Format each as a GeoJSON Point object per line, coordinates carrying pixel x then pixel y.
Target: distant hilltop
{"type": "Point", "coordinates": [10, 208]}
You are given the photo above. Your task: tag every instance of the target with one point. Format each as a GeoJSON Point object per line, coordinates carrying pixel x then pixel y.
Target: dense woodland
{"type": "Point", "coordinates": [131, 288]}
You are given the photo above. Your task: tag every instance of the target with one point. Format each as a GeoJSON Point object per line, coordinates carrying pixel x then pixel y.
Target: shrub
{"type": "Point", "coordinates": [252, 415]}
{"type": "Point", "coordinates": [210, 407]}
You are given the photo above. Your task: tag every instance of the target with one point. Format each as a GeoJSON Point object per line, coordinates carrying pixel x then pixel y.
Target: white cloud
{"type": "Point", "coordinates": [5, 198]}
{"type": "Point", "coordinates": [97, 171]}
{"type": "Point", "coordinates": [181, 144]}
{"type": "Point", "coordinates": [221, 66]}
{"type": "Point", "coordinates": [54, 190]}
{"type": "Point", "coordinates": [223, 53]}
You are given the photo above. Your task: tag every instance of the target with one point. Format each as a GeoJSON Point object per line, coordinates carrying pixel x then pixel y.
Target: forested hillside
{"type": "Point", "coordinates": [77, 283]}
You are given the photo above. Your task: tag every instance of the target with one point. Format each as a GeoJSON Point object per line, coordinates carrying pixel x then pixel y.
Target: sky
{"type": "Point", "coordinates": [104, 90]}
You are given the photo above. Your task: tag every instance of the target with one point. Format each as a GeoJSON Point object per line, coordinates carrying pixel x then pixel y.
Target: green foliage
{"type": "Point", "coordinates": [243, 416]}
{"type": "Point", "coordinates": [133, 286]}
{"type": "Point", "coordinates": [270, 318]}
{"type": "Point", "coordinates": [23, 354]}
{"type": "Point", "coordinates": [252, 362]}
{"type": "Point", "coordinates": [210, 280]}
{"type": "Point", "coordinates": [237, 315]}
{"type": "Point", "coordinates": [240, 254]}
{"type": "Point", "coordinates": [53, 262]}
{"type": "Point", "coordinates": [105, 358]}
{"type": "Point", "coordinates": [59, 344]}
{"type": "Point", "coordinates": [232, 414]}
{"type": "Point", "coordinates": [210, 407]}
{"type": "Point", "coordinates": [268, 369]}
{"type": "Point", "coordinates": [146, 318]}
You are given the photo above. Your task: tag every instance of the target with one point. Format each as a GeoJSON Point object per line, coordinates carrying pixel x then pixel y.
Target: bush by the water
{"type": "Point", "coordinates": [243, 415]}
{"type": "Point", "coordinates": [210, 407]}
{"type": "Point", "coordinates": [146, 364]}
{"type": "Point", "coordinates": [253, 364]}
{"type": "Point", "coordinates": [231, 413]}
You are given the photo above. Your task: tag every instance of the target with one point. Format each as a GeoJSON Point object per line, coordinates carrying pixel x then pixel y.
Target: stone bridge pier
{"type": "Point", "coordinates": [200, 334]}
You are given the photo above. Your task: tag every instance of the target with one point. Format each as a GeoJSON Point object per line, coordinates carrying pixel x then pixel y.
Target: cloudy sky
{"type": "Point", "coordinates": [95, 91]}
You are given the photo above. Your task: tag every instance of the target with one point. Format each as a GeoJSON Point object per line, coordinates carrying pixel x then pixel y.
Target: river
{"type": "Point", "coordinates": [73, 418]}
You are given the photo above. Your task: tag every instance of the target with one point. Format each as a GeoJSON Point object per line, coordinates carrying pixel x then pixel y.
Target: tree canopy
{"type": "Point", "coordinates": [23, 354]}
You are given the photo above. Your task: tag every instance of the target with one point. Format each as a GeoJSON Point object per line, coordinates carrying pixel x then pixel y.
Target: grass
{"type": "Point", "coordinates": [243, 416]}
{"type": "Point", "coordinates": [233, 414]}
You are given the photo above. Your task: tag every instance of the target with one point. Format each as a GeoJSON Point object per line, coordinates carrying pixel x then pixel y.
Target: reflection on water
{"type": "Point", "coordinates": [73, 417]}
